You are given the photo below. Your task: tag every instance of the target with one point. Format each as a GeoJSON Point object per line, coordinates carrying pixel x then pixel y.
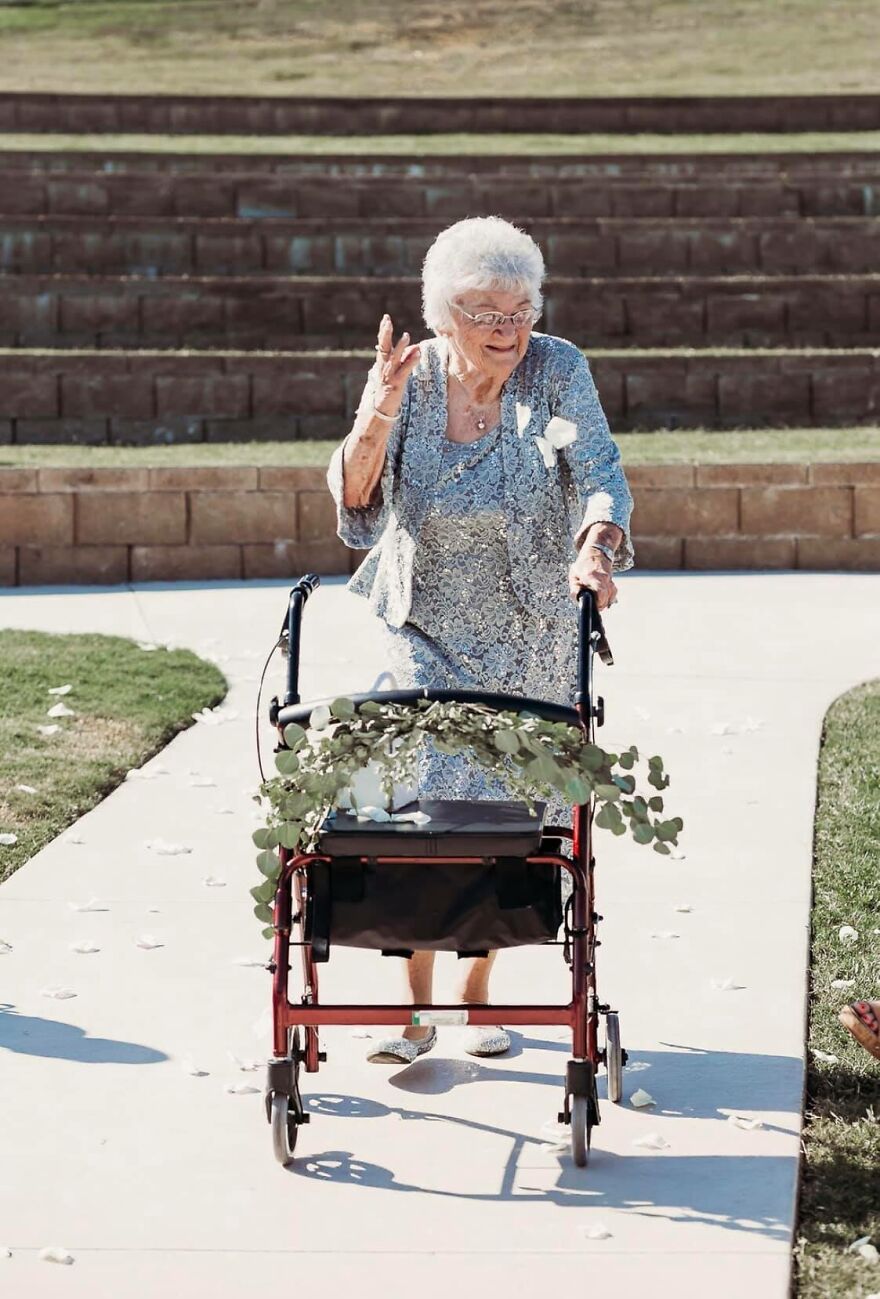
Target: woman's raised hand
{"type": "Point", "coordinates": [394, 364]}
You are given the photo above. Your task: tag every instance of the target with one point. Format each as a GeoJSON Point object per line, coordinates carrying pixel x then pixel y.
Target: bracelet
{"type": "Point", "coordinates": [600, 546]}
{"type": "Point", "coordinates": [389, 419]}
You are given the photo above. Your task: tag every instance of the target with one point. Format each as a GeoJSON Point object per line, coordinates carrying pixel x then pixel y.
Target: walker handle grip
{"type": "Point", "coordinates": [591, 636]}
{"type": "Point", "coordinates": [299, 593]}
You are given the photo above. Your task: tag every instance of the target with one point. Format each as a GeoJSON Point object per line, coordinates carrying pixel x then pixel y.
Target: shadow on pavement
{"type": "Point", "coordinates": [30, 1035]}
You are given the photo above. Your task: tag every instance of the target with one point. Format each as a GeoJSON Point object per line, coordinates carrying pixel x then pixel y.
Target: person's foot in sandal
{"type": "Point", "coordinates": [862, 1018]}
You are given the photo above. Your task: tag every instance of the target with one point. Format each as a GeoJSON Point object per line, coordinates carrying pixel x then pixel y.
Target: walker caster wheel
{"type": "Point", "coordinates": [613, 1058]}
{"type": "Point", "coordinates": [284, 1128]}
{"type": "Point", "coordinates": [581, 1126]}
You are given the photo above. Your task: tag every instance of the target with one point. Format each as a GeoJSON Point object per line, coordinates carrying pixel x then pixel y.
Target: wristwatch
{"type": "Point", "coordinates": [600, 545]}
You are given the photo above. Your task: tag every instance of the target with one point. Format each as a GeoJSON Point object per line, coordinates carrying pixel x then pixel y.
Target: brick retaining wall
{"type": "Point", "coordinates": [317, 115]}
{"type": "Point", "coordinates": [148, 398]}
{"type": "Point", "coordinates": [167, 524]}
{"type": "Point", "coordinates": [396, 246]}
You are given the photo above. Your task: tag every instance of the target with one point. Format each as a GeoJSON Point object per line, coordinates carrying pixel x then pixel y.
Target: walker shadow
{"type": "Point", "coordinates": [51, 1039]}
{"type": "Point", "coordinates": [749, 1193]}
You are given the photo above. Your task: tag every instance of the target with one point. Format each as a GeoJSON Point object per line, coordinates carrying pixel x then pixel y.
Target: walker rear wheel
{"type": "Point", "coordinates": [613, 1058]}
{"type": "Point", "coordinates": [580, 1130]}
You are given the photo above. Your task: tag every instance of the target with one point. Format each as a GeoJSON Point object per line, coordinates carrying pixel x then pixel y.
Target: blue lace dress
{"type": "Point", "coordinates": [466, 626]}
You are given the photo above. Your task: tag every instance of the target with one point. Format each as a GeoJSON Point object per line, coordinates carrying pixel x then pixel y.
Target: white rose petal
{"type": "Point", "coordinates": [60, 710]}
{"type": "Point", "coordinates": [5, 1251]}
{"type": "Point", "coordinates": [92, 905]}
{"type": "Point", "coordinates": [202, 782]}
{"type": "Point", "coordinates": [642, 713]}
{"type": "Point", "coordinates": [371, 813]}
{"type": "Point", "coordinates": [847, 934]}
{"type": "Point", "coordinates": [246, 1065]}
{"type": "Point", "coordinates": [641, 1099]}
{"type": "Point", "coordinates": [224, 811]}
{"type": "Point", "coordinates": [415, 818]}
{"type": "Point", "coordinates": [193, 1070]}
{"type": "Point", "coordinates": [250, 961]}
{"type": "Point", "coordinates": [213, 882]}
{"type": "Point", "coordinates": [85, 948]}
{"type": "Point", "coordinates": [147, 646]}
{"type": "Point", "coordinates": [359, 1032]}
{"type": "Point", "coordinates": [825, 1058]}
{"type": "Point", "coordinates": [241, 1089]}
{"type": "Point", "coordinates": [58, 994]}
{"type": "Point", "coordinates": [154, 911]}
{"type": "Point", "coordinates": [651, 1141]}
{"type": "Point", "coordinates": [73, 837]}
{"type": "Point", "coordinates": [843, 983]}
{"type": "Point", "coordinates": [5, 948]}
{"type": "Point", "coordinates": [684, 907]}
{"type": "Point", "coordinates": [675, 730]}
{"type": "Point", "coordinates": [147, 942]}
{"type": "Point", "coordinates": [56, 1254]}
{"type": "Point", "coordinates": [869, 1253]}
{"type": "Point", "coordinates": [748, 1125]}
{"type": "Point", "coordinates": [857, 1244]}
{"type": "Point", "coordinates": [665, 933]}
{"type": "Point", "coordinates": [598, 1232]}
{"type": "Point", "coordinates": [320, 717]}
{"type": "Point", "coordinates": [723, 728]}
{"type": "Point", "coordinates": [676, 854]}
{"type": "Point", "coordinates": [26, 789]}
{"type": "Point", "coordinates": [164, 849]}
{"type": "Point", "coordinates": [60, 690]}
{"type": "Point", "coordinates": [7, 839]}
{"type": "Point", "coordinates": [49, 730]}
{"type": "Point", "coordinates": [727, 985]}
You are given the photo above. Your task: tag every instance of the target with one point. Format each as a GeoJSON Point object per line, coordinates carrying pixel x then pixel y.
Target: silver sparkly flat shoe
{"type": "Point", "coordinates": [486, 1041]}
{"type": "Point", "coordinates": [400, 1050]}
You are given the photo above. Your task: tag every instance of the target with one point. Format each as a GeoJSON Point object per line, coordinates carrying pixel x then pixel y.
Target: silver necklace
{"type": "Point", "coordinates": [473, 407]}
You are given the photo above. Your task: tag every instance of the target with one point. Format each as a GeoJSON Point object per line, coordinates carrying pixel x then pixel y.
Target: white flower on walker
{"type": "Point", "coordinates": [559, 433]}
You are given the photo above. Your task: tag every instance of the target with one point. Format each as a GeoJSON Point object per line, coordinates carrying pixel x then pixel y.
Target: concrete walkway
{"type": "Point", "coordinates": [156, 1179]}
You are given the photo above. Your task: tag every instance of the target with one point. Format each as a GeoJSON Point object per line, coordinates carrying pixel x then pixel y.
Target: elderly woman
{"type": "Point", "coordinates": [481, 471]}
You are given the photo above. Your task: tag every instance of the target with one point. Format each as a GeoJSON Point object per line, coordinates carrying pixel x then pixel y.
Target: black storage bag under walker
{"type": "Point", "coordinates": [429, 905]}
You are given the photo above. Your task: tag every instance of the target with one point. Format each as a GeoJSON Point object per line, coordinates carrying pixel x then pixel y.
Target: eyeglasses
{"type": "Point", "coordinates": [495, 319]}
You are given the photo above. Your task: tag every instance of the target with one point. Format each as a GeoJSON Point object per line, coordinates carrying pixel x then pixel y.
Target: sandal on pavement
{"type": "Point", "coordinates": [401, 1050]}
{"type": "Point", "coordinates": [863, 1022]}
{"type": "Point", "coordinates": [486, 1041]}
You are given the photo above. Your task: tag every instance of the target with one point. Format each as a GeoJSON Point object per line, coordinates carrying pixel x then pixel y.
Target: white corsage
{"type": "Point", "coordinates": [559, 433]}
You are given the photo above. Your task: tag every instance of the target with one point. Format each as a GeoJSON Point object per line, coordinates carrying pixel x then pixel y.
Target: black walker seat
{"type": "Point", "coordinates": [456, 829]}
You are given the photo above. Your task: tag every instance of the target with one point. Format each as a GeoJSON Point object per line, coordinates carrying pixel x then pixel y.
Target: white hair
{"type": "Point", "coordinates": [478, 253]}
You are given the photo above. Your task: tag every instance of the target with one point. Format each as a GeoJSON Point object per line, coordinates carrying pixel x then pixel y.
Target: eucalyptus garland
{"type": "Point", "coordinates": [535, 757]}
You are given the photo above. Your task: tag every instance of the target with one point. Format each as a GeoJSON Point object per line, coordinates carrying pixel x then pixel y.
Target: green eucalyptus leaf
{"type": "Point", "coordinates": [606, 817]}
{"type": "Point", "coordinates": [342, 708]}
{"type": "Point", "coordinates": [293, 733]}
{"type": "Point", "coordinates": [286, 762]}
{"type": "Point", "coordinates": [269, 932]}
{"type": "Point", "coordinates": [655, 803]}
{"type": "Point", "coordinates": [577, 789]}
{"type": "Point", "coordinates": [506, 741]}
{"type": "Point", "coordinates": [626, 783]}
{"type": "Point", "coordinates": [656, 761]}
{"type": "Point", "coordinates": [264, 892]}
{"type": "Point", "coordinates": [261, 837]}
{"type": "Point", "coordinates": [662, 848]}
{"type": "Point", "coordinates": [666, 830]}
{"type": "Point", "coordinates": [268, 863]}
{"type": "Point", "coordinates": [370, 708]}
{"type": "Point", "coordinates": [642, 832]}
{"type": "Point", "coordinates": [263, 912]}
{"type": "Point", "coordinates": [289, 834]}
{"type": "Point", "coordinates": [592, 757]}
{"type": "Point", "coordinates": [627, 761]}
{"type": "Point", "coordinates": [609, 792]}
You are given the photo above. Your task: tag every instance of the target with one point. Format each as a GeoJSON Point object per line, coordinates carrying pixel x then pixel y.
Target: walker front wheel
{"type": "Point", "coordinates": [284, 1128]}
{"type": "Point", "coordinates": [580, 1130]}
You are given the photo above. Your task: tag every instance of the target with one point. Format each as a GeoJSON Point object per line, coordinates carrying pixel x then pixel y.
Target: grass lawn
{"type": "Point", "coordinates": [839, 1200]}
{"type": "Point", "coordinates": [444, 145]}
{"type": "Point", "coordinates": [128, 703]}
{"type": "Point", "coordinates": [683, 446]}
{"type": "Point", "coordinates": [462, 47]}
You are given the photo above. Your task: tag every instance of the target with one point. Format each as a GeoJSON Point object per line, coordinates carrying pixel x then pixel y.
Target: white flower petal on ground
{"type": "Point", "coordinates": [825, 1058]}
{"type": "Point", "coordinates": [92, 905]}
{"type": "Point", "coordinates": [665, 933]}
{"type": "Point", "coordinates": [244, 1063]}
{"type": "Point", "coordinates": [641, 1099]}
{"type": "Point", "coordinates": [752, 724]}
{"type": "Point", "coordinates": [637, 1066]}
{"type": "Point", "coordinates": [727, 985]}
{"type": "Point", "coordinates": [684, 907]}
{"type": "Point", "coordinates": [165, 849]}
{"type": "Point", "coordinates": [73, 838]}
{"type": "Point", "coordinates": [58, 994]}
{"type": "Point", "coordinates": [49, 730]}
{"type": "Point", "coordinates": [241, 1089]}
{"type": "Point", "coordinates": [642, 713]}
{"type": "Point", "coordinates": [56, 1254]}
{"type": "Point", "coordinates": [359, 1032]}
{"type": "Point", "coordinates": [193, 1070]}
{"type": "Point", "coordinates": [847, 934]}
{"type": "Point", "coordinates": [651, 1141]}
{"type": "Point", "coordinates": [597, 1232]}
{"type": "Point", "coordinates": [60, 690]}
{"type": "Point", "coordinates": [5, 948]}
{"type": "Point", "coordinates": [557, 1134]}
{"type": "Point", "coordinates": [723, 728]}
{"type": "Point", "coordinates": [7, 839]}
{"type": "Point", "coordinates": [85, 948]}
{"type": "Point", "coordinates": [202, 782]}
{"type": "Point", "coordinates": [213, 882]}
{"type": "Point", "coordinates": [139, 773]}
{"type": "Point", "coordinates": [869, 1253]}
{"type": "Point", "coordinates": [147, 646]}
{"type": "Point", "coordinates": [675, 730]}
{"type": "Point", "coordinates": [250, 962]}
{"type": "Point", "coordinates": [676, 854]}
{"type": "Point", "coordinates": [857, 1244]}
{"type": "Point", "coordinates": [224, 811]}
{"type": "Point", "coordinates": [60, 710]}
{"type": "Point", "coordinates": [747, 1124]}
{"type": "Point", "coordinates": [154, 911]}
{"type": "Point", "coordinates": [843, 983]}
{"type": "Point", "coordinates": [26, 789]}
{"type": "Point", "coordinates": [147, 942]}
{"type": "Point", "coordinates": [5, 1251]}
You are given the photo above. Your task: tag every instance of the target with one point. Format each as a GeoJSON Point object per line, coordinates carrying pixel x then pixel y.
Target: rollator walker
{"type": "Point", "coordinates": [476, 877]}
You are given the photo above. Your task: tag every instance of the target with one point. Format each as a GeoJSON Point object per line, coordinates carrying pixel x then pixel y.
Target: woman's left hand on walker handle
{"type": "Point", "coordinates": [592, 569]}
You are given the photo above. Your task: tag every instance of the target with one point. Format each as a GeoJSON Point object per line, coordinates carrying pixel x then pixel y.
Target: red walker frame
{"type": "Point", "coordinates": [580, 1109]}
